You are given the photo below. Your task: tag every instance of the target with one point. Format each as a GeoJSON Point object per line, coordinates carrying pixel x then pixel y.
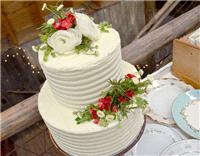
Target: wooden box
{"type": "Point", "coordinates": [186, 61]}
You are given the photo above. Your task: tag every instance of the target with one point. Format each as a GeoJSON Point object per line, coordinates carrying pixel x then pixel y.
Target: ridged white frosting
{"type": "Point", "coordinates": [78, 80]}
{"type": "Point", "coordinates": [86, 139]}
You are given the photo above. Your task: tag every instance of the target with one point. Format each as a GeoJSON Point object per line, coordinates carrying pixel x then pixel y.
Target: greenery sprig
{"type": "Point", "coordinates": [104, 26]}
{"type": "Point", "coordinates": [86, 47]}
{"type": "Point", "coordinates": [116, 103]}
{"type": "Point", "coordinates": [63, 19]}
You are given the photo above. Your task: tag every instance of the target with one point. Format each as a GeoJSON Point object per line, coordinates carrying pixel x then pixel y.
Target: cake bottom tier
{"type": "Point", "coordinates": [88, 139]}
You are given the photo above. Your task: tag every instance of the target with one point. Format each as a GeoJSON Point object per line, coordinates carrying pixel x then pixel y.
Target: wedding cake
{"type": "Point", "coordinates": [80, 59]}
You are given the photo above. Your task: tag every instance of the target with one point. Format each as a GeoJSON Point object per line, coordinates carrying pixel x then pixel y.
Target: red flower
{"type": "Point", "coordinates": [122, 99]}
{"type": "Point", "coordinates": [57, 25]}
{"type": "Point", "coordinates": [66, 23]}
{"type": "Point", "coordinates": [101, 105]}
{"type": "Point", "coordinates": [130, 76]}
{"type": "Point", "coordinates": [104, 103]}
{"type": "Point", "coordinates": [96, 121]}
{"type": "Point", "coordinates": [129, 93]}
{"type": "Point", "coordinates": [93, 113]}
{"type": "Point", "coordinates": [71, 17]}
{"type": "Point", "coordinates": [114, 109]}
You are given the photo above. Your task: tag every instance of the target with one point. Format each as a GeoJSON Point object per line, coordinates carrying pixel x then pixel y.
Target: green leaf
{"type": "Point", "coordinates": [86, 47]}
{"type": "Point", "coordinates": [104, 26]}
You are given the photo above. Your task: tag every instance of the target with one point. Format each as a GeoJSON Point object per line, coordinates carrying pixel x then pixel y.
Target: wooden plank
{"type": "Point", "coordinates": [168, 11]}
{"type": "Point", "coordinates": [140, 49]}
{"type": "Point", "coordinates": [127, 17]}
{"type": "Point", "coordinates": [19, 117]}
{"type": "Point", "coordinates": [155, 18]}
{"type": "Point", "coordinates": [18, 73]}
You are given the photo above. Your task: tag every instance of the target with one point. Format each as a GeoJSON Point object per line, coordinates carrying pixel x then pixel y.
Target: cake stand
{"type": "Point", "coordinates": [121, 153]}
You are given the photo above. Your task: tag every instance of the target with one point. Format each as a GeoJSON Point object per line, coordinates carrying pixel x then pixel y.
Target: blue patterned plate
{"type": "Point", "coordinates": [181, 118]}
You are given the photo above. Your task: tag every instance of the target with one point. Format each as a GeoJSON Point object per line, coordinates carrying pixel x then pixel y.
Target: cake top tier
{"type": "Point", "coordinates": [69, 34]}
{"type": "Point", "coordinates": [107, 43]}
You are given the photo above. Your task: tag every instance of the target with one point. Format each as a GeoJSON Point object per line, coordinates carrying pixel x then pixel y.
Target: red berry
{"type": "Point", "coordinates": [130, 76]}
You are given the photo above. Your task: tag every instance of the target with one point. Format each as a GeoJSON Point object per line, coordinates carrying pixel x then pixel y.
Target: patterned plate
{"type": "Point", "coordinates": [161, 96]}
{"type": "Point", "coordinates": [183, 148]}
{"type": "Point", "coordinates": [182, 102]}
{"type": "Point", "coordinates": [154, 140]}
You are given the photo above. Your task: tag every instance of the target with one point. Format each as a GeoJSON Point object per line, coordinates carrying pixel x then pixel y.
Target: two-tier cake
{"type": "Point", "coordinates": [78, 58]}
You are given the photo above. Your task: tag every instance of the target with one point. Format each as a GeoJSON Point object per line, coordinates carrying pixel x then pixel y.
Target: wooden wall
{"type": "Point", "coordinates": [127, 17]}
{"type": "Point", "coordinates": [20, 19]}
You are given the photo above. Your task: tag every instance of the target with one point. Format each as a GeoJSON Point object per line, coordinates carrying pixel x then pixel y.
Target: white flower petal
{"type": "Point", "coordinates": [51, 21]}
{"type": "Point", "coordinates": [87, 27]}
{"type": "Point", "coordinates": [135, 80]}
{"type": "Point", "coordinates": [109, 118]}
{"type": "Point", "coordinates": [64, 41]}
{"type": "Point", "coordinates": [59, 7]}
{"type": "Point", "coordinates": [44, 6]}
{"type": "Point", "coordinates": [34, 48]}
{"type": "Point", "coordinates": [141, 72]}
{"type": "Point", "coordinates": [100, 114]}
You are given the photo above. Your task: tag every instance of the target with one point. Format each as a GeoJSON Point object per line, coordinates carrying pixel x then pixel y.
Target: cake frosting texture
{"type": "Point", "coordinates": [87, 139]}
{"type": "Point", "coordinates": [77, 80]}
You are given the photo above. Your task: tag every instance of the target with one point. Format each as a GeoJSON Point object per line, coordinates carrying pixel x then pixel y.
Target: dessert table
{"type": "Point", "coordinates": [156, 122]}
{"type": "Point", "coordinates": [152, 121]}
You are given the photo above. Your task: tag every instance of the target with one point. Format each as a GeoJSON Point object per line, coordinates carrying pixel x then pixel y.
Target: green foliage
{"type": "Point", "coordinates": [118, 89]}
{"type": "Point", "coordinates": [86, 47]}
{"type": "Point", "coordinates": [103, 26]}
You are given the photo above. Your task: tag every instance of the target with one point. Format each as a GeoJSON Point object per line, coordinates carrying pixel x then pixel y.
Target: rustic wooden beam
{"type": "Point", "coordinates": [158, 23]}
{"type": "Point", "coordinates": [19, 117]}
{"type": "Point", "coordinates": [25, 113]}
{"type": "Point", "coordinates": [140, 49]}
{"type": "Point", "coordinates": [155, 18]}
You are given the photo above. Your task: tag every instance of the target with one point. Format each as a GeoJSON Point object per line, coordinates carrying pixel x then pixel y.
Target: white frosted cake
{"type": "Point", "coordinates": [77, 80]}
{"type": "Point", "coordinates": [78, 58]}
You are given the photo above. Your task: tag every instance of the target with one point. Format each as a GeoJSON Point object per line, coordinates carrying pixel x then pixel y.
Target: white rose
{"type": "Point", "coordinates": [100, 114]}
{"type": "Point", "coordinates": [135, 80]}
{"type": "Point", "coordinates": [109, 118]}
{"type": "Point", "coordinates": [63, 41]}
{"type": "Point", "coordinates": [87, 27]}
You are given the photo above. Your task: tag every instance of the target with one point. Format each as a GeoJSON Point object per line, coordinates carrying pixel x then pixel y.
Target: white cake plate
{"type": "Point", "coordinates": [189, 147]}
{"type": "Point", "coordinates": [154, 134]}
{"type": "Point", "coordinates": [161, 96]}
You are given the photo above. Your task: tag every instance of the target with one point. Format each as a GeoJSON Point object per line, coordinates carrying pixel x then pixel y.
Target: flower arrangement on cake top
{"type": "Point", "coordinates": [68, 32]}
{"type": "Point", "coordinates": [117, 102]}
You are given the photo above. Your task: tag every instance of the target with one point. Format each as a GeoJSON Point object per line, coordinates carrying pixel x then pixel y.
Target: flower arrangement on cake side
{"type": "Point", "coordinates": [69, 32]}
{"type": "Point", "coordinates": [115, 104]}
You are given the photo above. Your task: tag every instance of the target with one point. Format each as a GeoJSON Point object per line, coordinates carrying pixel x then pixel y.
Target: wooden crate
{"type": "Point", "coordinates": [186, 61]}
